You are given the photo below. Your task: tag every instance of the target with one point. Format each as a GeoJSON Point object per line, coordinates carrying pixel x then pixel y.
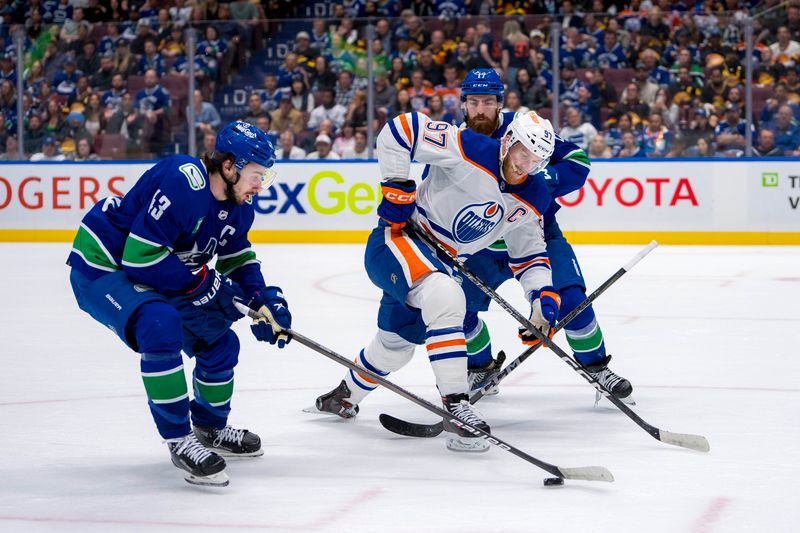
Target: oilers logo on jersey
{"type": "Point", "coordinates": [476, 220]}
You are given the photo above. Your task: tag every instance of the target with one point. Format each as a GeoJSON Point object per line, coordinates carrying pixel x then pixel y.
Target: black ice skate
{"type": "Point", "coordinates": [334, 402]}
{"type": "Point", "coordinates": [201, 466]}
{"type": "Point", "coordinates": [620, 387]}
{"type": "Point", "coordinates": [460, 439]}
{"type": "Point", "coordinates": [478, 377]}
{"type": "Point", "coordinates": [230, 442]}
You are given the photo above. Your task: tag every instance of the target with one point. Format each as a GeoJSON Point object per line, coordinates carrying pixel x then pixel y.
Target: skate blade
{"type": "Point", "coordinates": [314, 411]}
{"type": "Point", "coordinates": [467, 444]}
{"type": "Point", "coordinates": [230, 455]}
{"type": "Point", "coordinates": [220, 479]}
{"type": "Point", "coordinates": [626, 400]}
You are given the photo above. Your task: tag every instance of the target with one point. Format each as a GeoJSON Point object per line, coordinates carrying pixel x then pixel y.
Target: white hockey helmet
{"type": "Point", "coordinates": [535, 133]}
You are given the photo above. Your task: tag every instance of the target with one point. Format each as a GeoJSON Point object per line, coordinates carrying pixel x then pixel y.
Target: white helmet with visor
{"type": "Point", "coordinates": [536, 134]}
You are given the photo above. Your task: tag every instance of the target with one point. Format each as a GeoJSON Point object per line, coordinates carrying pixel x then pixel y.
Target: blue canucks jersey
{"type": "Point", "coordinates": [166, 229]}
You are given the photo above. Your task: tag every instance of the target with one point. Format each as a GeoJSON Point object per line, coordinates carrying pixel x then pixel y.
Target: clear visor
{"type": "Point", "coordinates": [258, 175]}
{"type": "Point", "coordinates": [523, 160]}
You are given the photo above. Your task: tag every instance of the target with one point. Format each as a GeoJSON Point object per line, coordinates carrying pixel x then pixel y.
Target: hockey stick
{"type": "Point", "coordinates": [588, 473]}
{"type": "Point", "coordinates": [412, 429]}
{"type": "Point", "coordinates": [685, 440]}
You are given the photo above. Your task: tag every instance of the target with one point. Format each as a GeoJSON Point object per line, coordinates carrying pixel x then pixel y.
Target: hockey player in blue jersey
{"type": "Point", "coordinates": [482, 98]}
{"type": "Point", "coordinates": [140, 267]}
{"type": "Point", "coordinates": [476, 190]}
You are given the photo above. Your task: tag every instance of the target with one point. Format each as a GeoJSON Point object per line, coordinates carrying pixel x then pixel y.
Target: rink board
{"type": "Point", "coordinates": [754, 201]}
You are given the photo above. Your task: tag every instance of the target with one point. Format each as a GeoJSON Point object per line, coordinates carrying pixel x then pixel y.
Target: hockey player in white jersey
{"type": "Point", "coordinates": [475, 190]}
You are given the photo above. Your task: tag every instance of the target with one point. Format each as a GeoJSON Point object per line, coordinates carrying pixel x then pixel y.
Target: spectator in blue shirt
{"type": "Point", "coordinates": [66, 80]}
{"type": "Point", "coordinates": [206, 116]}
{"type": "Point", "coordinates": [731, 131]}
{"type": "Point", "coordinates": [630, 146]}
{"type": "Point", "coordinates": [610, 54]}
{"type": "Point", "coordinates": [786, 130]}
{"type": "Point", "coordinates": [112, 98]}
{"type": "Point", "coordinates": [658, 74]}
{"type": "Point", "coordinates": [153, 104]}
{"type": "Point", "coordinates": [151, 58]}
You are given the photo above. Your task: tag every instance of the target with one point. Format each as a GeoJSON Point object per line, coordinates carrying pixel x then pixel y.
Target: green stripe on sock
{"type": "Point", "coordinates": [139, 253]}
{"type": "Point", "coordinates": [214, 393]}
{"type": "Point", "coordinates": [166, 387]}
{"type": "Point", "coordinates": [587, 343]}
{"type": "Point", "coordinates": [480, 341]}
{"type": "Point", "coordinates": [226, 265]}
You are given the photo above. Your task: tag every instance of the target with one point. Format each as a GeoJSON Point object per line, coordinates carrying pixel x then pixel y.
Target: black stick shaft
{"type": "Point", "coordinates": [688, 441]}
{"type": "Point", "coordinates": [590, 473]}
{"type": "Point", "coordinates": [403, 427]}
{"type": "Point", "coordinates": [497, 378]}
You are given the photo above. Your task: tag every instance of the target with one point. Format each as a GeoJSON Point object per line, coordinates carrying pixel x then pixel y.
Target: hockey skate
{"type": "Point", "coordinates": [201, 466]}
{"type": "Point", "coordinates": [461, 439]}
{"type": "Point", "coordinates": [229, 442]}
{"type": "Point", "coordinates": [477, 378]}
{"type": "Point", "coordinates": [620, 387]}
{"type": "Point", "coordinates": [334, 402]}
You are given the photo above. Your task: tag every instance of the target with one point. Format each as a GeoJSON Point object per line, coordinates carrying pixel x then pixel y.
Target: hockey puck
{"type": "Point", "coordinates": [553, 481]}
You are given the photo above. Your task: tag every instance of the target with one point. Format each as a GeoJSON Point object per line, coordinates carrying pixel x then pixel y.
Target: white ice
{"type": "Point", "coordinates": [708, 336]}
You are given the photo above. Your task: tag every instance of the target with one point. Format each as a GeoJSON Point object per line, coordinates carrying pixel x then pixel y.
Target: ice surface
{"type": "Point", "coordinates": [708, 336]}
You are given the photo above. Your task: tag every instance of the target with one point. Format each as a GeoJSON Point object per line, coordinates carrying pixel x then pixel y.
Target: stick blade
{"type": "Point", "coordinates": [684, 440]}
{"type": "Point", "coordinates": [410, 429]}
{"type": "Point", "coordinates": [587, 473]}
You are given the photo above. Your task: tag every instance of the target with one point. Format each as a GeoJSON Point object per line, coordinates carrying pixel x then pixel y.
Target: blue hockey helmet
{"type": "Point", "coordinates": [247, 143]}
{"type": "Point", "coordinates": [482, 81]}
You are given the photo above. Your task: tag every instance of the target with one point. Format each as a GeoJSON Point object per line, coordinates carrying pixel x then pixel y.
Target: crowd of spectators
{"type": "Point", "coordinates": [636, 79]}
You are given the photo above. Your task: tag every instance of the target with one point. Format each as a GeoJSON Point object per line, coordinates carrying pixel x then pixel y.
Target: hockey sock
{"type": "Point", "coordinates": [447, 352]}
{"type": "Point", "coordinates": [360, 384]}
{"type": "Point", "coordinates": [167, 394]}
{"type": "Point", "coordinates": [479, 344]}
{"type": "Point", "coordinates": [583, 333]}
{"type": "Point", "coordinates": [587, 343]}
{"type": "Point", "coordinates": [212, 398]}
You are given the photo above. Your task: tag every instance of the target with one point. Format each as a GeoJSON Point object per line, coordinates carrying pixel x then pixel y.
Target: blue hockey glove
{"type": "Point", "coordinates": [274, 318]}
{"type": "Point", "coordinates": [544, 311]}
{"type": "Point", "coordinates": [398, 203]}
{"type": "Point", "coordinates": [216, 292]}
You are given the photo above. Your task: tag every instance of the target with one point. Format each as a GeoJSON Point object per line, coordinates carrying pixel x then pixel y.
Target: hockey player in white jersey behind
{"type": "Point", "coordinates": [481, 97]}
{"type": "Point", "coordinates": [476, 190]}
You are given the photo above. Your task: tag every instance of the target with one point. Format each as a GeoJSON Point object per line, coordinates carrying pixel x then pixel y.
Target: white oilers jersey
{"type": "Point", "coordinates": [462, 201]}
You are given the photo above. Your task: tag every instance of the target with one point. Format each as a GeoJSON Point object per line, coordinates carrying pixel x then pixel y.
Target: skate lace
{"type": "Point", "coordinates": [607, 378]}
{"type": "Point", "coordinates": [466, 412]}
{"type": "Point", "coordinates": [191, 448]}
{"type": "Point", "coordinates": [229, 434]}
{"type": "Point", "coordinates": [476, 377]}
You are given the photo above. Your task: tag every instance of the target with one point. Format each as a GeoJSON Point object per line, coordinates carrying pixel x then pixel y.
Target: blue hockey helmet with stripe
{"type": "Point", "coordinates": [482, 81]}
{"type": "Point", "coordinates": [246, 143]}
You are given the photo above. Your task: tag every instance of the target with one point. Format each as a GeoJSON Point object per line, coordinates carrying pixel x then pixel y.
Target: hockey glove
{"type": "Point", "coordinates": [398, 203]}
{"type": "Point", "coordinates": [544, 311]}
{"type": "Point", "coordinates": [274, 318]}
{"type": "Point", "coordinates": [215, 292]}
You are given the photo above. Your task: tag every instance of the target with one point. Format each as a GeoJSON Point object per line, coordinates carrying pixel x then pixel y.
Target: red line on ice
{"type": "Point", "coordinates": [711, 515]}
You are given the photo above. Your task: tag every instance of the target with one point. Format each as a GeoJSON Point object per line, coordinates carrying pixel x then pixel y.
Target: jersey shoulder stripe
{"type": "Point", "coordinates": [480, 151]}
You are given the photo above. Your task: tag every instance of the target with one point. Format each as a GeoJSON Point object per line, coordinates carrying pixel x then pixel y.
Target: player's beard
{"type": "Point", "coordinates": [230, 192]}
{"type": "Point", "coordinates": [482, 125]}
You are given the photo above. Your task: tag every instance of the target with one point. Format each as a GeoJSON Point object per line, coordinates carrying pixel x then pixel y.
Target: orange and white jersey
{"type": "Point", "coordinates": [463, 200]}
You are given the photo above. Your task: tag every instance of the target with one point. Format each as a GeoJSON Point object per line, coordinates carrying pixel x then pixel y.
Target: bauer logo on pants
{"type": "Point", "coordinates": [476, 220]}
